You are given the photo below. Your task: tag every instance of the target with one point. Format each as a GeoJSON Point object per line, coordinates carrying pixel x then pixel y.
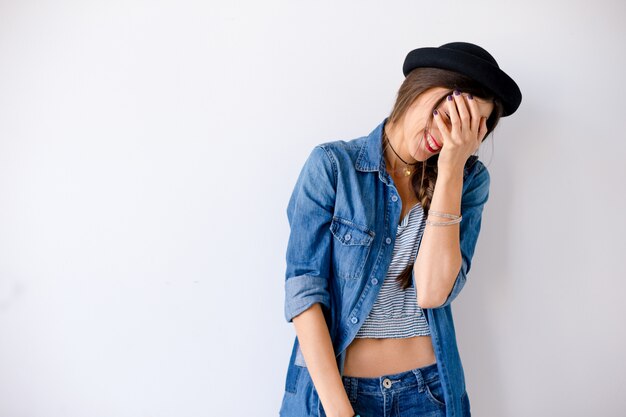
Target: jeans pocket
{"type": "Point", "coordinates": [434, 391]}
{"type": "Point", "coordinates": [351, 248]}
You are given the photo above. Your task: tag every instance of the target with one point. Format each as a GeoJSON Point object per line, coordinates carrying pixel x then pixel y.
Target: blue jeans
{"type": "Point", "coordinates": [414, 393]}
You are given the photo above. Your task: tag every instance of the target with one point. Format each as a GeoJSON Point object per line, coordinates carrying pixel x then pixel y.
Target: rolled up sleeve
{"type": "Point", "coordinates": [310, 211]}
{"type": "Point", "coordinates": [472, 203]}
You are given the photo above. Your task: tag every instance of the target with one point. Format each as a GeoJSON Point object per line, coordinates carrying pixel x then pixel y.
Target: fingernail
{"type": "Point", "coordinates": [457, 92]}
{"type": "Point", "coordinates": [435, 112]}
{"type": "Point", "coordinates": [449, 98]}
{"type": "Point", "coordinates": [470, 97]}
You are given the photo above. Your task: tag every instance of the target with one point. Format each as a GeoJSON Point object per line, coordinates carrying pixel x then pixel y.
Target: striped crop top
{"type": "Point", "coordinates": [395, 312]}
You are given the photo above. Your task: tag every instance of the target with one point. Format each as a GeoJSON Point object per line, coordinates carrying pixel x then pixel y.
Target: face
{"type": "Point", "coordinates": [417, 121]}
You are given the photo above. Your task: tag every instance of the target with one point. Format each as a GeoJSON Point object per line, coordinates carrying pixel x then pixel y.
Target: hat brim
{"type": "Point", "coordinates": [482, 71]}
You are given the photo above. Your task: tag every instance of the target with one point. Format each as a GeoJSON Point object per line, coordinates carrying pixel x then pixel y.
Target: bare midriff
{"type": "Point", "coordinates": [371, 358]}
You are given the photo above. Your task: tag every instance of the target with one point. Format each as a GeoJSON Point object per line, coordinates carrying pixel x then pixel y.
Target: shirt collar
{"type": "Point", "coordinates": [370, 155]}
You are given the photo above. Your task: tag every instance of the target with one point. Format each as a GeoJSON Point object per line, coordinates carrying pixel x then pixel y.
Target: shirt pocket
{"type": "Point", "coordinates": [352, 243]}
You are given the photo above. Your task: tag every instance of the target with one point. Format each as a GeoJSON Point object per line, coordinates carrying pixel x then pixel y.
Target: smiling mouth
{"type": "Point", "coordinates": [431, 143]}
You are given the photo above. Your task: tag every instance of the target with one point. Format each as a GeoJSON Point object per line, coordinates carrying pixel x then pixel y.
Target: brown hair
{"type": "Point", "coordinates": [415, 83]}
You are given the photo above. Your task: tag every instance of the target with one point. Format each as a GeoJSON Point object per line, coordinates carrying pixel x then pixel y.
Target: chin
{"type": "Point", "coordinates": [425, 155]}
{"type": "Point", "coordinates": [428, 157]}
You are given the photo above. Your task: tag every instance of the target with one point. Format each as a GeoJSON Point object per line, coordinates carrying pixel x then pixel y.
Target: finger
{"type": "Point", "coordinates": [452, 112]}
{"type": "Point", "coordinates": [443, 128]}
{"type": "Point", "coordinates": [464, 113]}
{"type": "Point", "coordinates": [475, 113]}
{"type": "Point", "coordinates": [445, 116]}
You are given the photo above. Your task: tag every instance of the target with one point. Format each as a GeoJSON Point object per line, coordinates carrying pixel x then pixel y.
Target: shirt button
{"type": "Point", "coordinates": [388, 240]}
{"type": "Point", "coordinates": [354, 319]}
{"type": "Point", "coordinates": [394, 198]}
{"type": "Point", "coordinates": [374, 281]}
{"type": "Point", "coordinates": [348, 237]}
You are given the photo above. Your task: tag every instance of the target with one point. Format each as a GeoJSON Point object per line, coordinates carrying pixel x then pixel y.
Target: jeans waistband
{"type": "Point", "coordinates": [392, 382]}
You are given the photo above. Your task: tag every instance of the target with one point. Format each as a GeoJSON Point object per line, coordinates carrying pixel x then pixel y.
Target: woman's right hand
{"type": "Point", "coordinates": [463, 133]}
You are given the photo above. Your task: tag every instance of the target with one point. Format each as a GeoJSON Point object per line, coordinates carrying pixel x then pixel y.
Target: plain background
{"type": "Point", "coordinates": [148, 150]}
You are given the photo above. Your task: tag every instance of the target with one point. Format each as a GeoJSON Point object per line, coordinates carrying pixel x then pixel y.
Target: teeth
{"type": "Point", "coordinates": [430, 142]}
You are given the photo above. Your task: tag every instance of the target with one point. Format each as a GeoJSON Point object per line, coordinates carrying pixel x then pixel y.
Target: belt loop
{"type": "Point", "coordinates": [354, 384]}
{"type": "Point", "coordinates": [351, 387]}
{"type": "Point", "coordinates": [420, 379]}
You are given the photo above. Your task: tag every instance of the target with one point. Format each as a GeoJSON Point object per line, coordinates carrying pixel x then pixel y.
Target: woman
{"type": "Point", "coordinates": [383, 230]}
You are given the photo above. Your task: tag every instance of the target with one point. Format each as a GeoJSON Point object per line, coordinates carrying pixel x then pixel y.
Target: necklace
{"type": "Point", "coordinates": [407, 169]}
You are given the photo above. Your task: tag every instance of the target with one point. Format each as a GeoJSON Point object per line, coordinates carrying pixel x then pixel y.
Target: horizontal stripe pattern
{"type": "Point", "coordinates": [395, 313]}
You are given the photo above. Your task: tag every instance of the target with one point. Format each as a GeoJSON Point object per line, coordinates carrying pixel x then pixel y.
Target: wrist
{"type": "Point", "coordinates": [350, 414]}
{"type": "Point", "coordinates": [450, 173]}
{"type": "Point", "coordinates": [450, 169]}
{"type": "Point", "coordinates": [346, 411]}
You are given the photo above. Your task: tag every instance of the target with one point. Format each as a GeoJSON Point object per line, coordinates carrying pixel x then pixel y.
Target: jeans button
{"type": "Point", "coordinates": [387, 383]}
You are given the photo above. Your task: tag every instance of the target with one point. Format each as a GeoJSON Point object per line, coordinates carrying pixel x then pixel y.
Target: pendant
{"type": "Point", "coordinates": [407, 171]}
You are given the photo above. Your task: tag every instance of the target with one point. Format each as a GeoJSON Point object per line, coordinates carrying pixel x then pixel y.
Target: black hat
{"type": "Point", "coordinates": [470, 60]}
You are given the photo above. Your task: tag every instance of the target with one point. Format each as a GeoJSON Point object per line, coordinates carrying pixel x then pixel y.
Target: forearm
{"type": "Point", "coordinates": [319, 355]}
{"type": "Point", "coordinates": [439, 258]}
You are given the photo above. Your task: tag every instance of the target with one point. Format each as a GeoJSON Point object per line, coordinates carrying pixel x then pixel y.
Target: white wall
{"type": "Point", "coordinates": [148, 150]}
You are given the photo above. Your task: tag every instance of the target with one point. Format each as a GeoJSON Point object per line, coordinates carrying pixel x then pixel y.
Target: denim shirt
{"type": "Point", "coordinates": [343, 216]}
